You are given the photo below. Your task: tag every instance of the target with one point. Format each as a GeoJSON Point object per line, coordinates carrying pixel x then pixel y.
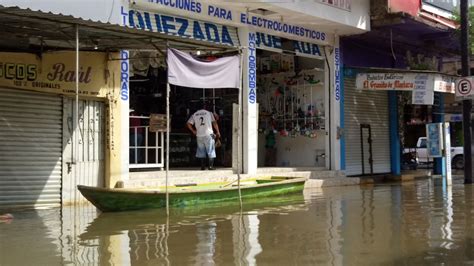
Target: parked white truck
{"type": "Point", "coordinates": [457, 154]}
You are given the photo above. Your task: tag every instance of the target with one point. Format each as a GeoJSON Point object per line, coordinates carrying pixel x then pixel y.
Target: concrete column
{"type": "Point", "coordinates": [249, 101]}
{"type": "Point", "coordinates": [343, 137]}
{"type": "Point", "coordinates": [124, 117]}
{"type": "Point", "coordinates": [438, 117]}
{"type": "Point", "coordinates": [333, 112]}
{"type": "Point", "coordinates": [395, 155]}
{"type": "Point", "coordinates": [117, 123]}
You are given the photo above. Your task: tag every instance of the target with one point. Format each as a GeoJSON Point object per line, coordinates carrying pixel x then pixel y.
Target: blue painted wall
{"type": "Point", "coordinates": [395, 148]}
{"type": "Point", "coordinates": [438, 117]}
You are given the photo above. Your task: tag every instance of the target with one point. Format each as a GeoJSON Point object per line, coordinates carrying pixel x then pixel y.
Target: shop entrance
{"type": "Point", "coordinates": [292, 98]}
{"type": "Point", "coordinates": [84, 148]}
{"type": "Point", "coordinates": [148, 96]}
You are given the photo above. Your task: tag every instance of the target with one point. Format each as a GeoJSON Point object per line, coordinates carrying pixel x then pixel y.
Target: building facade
{"type": "Point", "coordinates": [277, 41]}
{"type": "Point", "coordinates": [408, 40]}
{"type": "Point", "coordinates": [291, 75]}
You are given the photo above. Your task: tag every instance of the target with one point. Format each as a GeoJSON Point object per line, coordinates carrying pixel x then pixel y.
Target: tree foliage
{"type": "Point", "coordinates": [457, 19]}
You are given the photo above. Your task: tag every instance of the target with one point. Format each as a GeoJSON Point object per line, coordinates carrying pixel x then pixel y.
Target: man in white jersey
{"type": "Point", "coordinates": [201, 124]}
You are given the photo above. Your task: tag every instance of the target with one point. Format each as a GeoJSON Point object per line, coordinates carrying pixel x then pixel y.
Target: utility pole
{"type": "Point", "coordinates": [467, 103]}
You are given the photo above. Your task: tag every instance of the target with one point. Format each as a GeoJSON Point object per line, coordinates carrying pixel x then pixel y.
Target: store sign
{"type": "Point", "coordinates": [274, 43]}
{"type": "Point", "coordinates": [212, 12]}
{"type": "Point", "coordinates": [444, 83]}
{"type": "Point", "coordinates": [186, 28]}
{"type": "Point", "coordinates": [252, 68]}
{"type": "Point", "coordinates": [268, 42]}
{"type": "Point", "coordinates": [337, 74]}
{"type": "Point", "coordinates": [54, 72]}
{"type": "Point", "coordinates": [124, 75]}
{"type": "Point", "coordinates": [405, 81]}
{"type": "Point", "coordinates": [158, 122]}
{"type": "Point", "coordinates": [422, 92]}
{"type": "Point", "coordinates": [308, 49]}
{"type": "Point", "coordinates": [386, 81]}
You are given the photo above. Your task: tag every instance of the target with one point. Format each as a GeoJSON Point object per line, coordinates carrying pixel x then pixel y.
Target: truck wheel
{"type": "Point", "coordinates": [458, 162]}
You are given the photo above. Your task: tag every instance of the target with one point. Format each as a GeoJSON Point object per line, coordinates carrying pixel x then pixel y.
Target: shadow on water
{"type": "Point", "coordinates": [29, 233]}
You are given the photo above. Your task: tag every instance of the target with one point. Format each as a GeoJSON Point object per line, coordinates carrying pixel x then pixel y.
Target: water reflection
{"type": "Point", "coordinates": [414, 223]}
{"type": "Point", "coordinates": [197, 237]}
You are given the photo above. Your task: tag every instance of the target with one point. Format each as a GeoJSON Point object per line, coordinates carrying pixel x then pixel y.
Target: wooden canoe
{"type": "Point", "coordinates": [122, 199]}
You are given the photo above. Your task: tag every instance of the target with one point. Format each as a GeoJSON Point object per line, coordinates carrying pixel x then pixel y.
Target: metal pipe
{"type": "Point", "coordinates": [75, 150]}
{"type": "Point", "coordinates": [239, 128]}
{"type": "Point", "coordinates": [167, 140]}
{"type": "Point", "coordinates": [329, 108]}
{"type": "Point", "coordinates": [466, 104]}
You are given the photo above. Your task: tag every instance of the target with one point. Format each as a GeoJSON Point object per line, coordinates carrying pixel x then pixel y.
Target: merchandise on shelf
{"type": "Point", "coordinates": [294, 101]}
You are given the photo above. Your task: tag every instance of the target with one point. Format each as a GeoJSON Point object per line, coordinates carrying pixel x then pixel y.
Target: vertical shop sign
{"type": "Point", "coordinates": [337, 74]}
{"type": "Point", "coordinates": [252, 68]}
{"type": "Point", "coordinates": [124, 75]}
{"type": "Point", "coordinates": [422, 91]}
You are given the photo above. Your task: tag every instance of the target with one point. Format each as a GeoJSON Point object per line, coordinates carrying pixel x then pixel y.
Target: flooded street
{"type": "Point", "coordinates": [413, 223]}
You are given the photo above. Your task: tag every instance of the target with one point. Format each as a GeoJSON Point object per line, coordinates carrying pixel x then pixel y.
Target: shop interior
{"type": "Point", "coordinates": [148, 96]}
{"type": "Point", "coordinates": [292, 97]}
{"type": "Point", "coordinates": [291, 94]}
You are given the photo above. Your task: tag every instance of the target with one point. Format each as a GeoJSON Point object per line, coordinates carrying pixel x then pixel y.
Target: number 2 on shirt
{"type": "Point", "coordinates": [202, 121]}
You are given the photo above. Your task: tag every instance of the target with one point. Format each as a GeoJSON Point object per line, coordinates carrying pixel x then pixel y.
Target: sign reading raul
{"type": "Point", "coordinates": [54, 72]}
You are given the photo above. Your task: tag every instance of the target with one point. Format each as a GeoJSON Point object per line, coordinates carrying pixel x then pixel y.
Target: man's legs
{"type": "Point", "coordinates": [211, 151]}
{"type": "Point", "coordinates": [206, 148]}
{"type": "Point", "coordinates": [201, 151]}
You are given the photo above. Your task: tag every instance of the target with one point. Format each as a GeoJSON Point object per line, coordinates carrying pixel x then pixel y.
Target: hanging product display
{"type": "Point", "coordinates": [295, 101]}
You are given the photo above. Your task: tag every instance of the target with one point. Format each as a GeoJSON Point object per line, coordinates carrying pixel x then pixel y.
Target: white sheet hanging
{"type": "Point", "coordinates": [187, 71]}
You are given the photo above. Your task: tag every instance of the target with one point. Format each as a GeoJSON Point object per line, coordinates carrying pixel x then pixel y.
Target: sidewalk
{"type": "Point", "coordinates": [407, 175]}
{"type": "Point", "coordinates": [317, 177]}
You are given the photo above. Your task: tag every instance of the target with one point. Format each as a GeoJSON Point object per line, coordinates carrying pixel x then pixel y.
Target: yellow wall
{"type": "Point", "coordinates": [54, 72]}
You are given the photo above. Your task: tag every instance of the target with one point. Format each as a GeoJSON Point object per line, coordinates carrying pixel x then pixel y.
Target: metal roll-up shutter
{"type": "Point", "coordinates": [30, 149]}
{"type": "Point", "coordinates": [371, 108]}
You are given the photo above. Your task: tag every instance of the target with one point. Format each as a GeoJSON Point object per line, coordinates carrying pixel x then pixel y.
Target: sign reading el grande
{"type": "Point", "coordinates": [55, 72]}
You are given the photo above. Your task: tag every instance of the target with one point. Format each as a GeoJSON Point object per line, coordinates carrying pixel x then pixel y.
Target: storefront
{"type": "Point", "coordinates": [148, 91]}
{"type": "Point", "coordinates": [291, 88]}
{"type": "Point", "coordinates": [45, 153]}
{"type": "Point", "coordinates": [376, 124]}
{"type": "Point", "coordinates": [292, 96]}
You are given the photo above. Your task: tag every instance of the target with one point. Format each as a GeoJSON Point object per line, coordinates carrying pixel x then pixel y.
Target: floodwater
{"type": "Point", "coordinates": [414, 223]}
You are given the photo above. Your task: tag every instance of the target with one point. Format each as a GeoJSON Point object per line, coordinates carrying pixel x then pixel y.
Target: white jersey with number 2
{"type": "Point", "coordinates": [202, 120]}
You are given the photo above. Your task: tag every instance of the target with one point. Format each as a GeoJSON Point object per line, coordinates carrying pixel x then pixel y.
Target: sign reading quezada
{"type": "Point", "coordinates": [54, 72]}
